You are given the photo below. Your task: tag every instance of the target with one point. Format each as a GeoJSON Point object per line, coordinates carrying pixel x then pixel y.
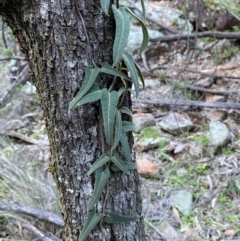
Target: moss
{"type": "Point", "coordinates": [148, 132]}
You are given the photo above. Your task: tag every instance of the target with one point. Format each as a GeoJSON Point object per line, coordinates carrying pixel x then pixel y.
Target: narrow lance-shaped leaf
{"type": "Point", "coordinates": [90, 77]}
{"type": "Point", "coordinates": [143, 10]}
{"type": "Point", "coordinates": [90, 223]}
{"type": "Point", "coordinates": [108, 69]}
{"type": "Point", "coordinates": [128, 165]}
{"type": "Point", "coordinates": [119, 163]}
{"type": "Point", "coordinates": [103, 159]}
{"type": "Point", "coordinates": [116, 218]}
{"type": "Point", "coordinates": [140, 75]}
{"type": "Point", "coordinates": [125, 110]}
{"type": "Point", "coordinates": [122, 32]}
{"type": "Point", "coordinates": [105, 5]}
{"type": "Point", "coordinates": [109, 103]}
{"type": "Point", "coordinates": [121, 91]}
{"type": "Point", "coordinates": [125, 145]}
{"type": "Point", "coordinates": [128, 60]}
{"type": "Point", "coordinates": [92, 95]}
{"type": "Point", "coordinates": [102, 178]}
{"type": "Point", "coordinates": [144, 31]}
{"type": "Point", "coordinates": [118, 130]}
{"type": "Point", "coordinates": [128, 126]}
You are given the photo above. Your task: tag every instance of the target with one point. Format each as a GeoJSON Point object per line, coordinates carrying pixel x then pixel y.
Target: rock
{"type": "Point", "coordinates": [167, 16]}
{"type": "Point", "coordinates": [182, 200]}
{"type": "Point", "coordinates": [233, 127]}
{"type": "Point", "coordinates": [143, 120]}
{"type": "Point", "coordinates": [196, 150]}
{"type": "Point", "coordinates": [215, 115]}
{"type": "Point", "coordinates": [176, 123]}
{"type": "Point", "coordinates": [199, 12]}
{"type": "Point", "coordinates": [168, 232]}
{"type": "Point", "coordinates": [147, 168]}
{"type": "Point", "coordinates": [151, 138]}
{"type": "Point", "coordinates": [150, 143]}
{"type": "Point", "coordinates": [218, 136]}
{"type": "Point", "coordinates": [135, 38]}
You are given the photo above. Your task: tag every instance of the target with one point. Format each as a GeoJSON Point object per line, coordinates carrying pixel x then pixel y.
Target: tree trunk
{"type": "Point", "coordinates": [59, 39]}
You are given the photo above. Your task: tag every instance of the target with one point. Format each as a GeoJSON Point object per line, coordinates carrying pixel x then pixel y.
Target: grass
{"type": "Point", "coordinates": [201, 139]}
{"type": "Point", "coordinates": [24, 182]}
{"type": "Point", "coordinates": [227, 151]}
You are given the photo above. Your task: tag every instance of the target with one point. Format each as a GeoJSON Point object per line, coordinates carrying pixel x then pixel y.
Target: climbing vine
{"type": "Point", "coordinates": [114, 127]}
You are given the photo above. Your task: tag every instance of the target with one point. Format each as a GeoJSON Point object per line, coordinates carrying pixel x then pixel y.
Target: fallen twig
{"type": "Point", "coordinates": [33, 212]}
{"type": "Point", "coordinates": [216, 35]}
{"type": "Point", "coordinates": [192, 103]}
{"type": "Point", "coordinates": [10, 58]}
{"type": "Point", "coordinates": [24, 138]}
{"type": "Point", "coordinates": [155, 228]}
{"type": "Point", "coordinates": [196, 72]}
{"type": "Point", "coordinates": [35, 231]}
{"type": "Point", "coordinates": [21, 79]}
{"type": "Point", "coordinates": [216, 92]}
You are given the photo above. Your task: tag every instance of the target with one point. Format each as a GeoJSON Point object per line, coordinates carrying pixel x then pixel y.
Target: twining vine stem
{"type": "Point", "coordinates": [112, 127]}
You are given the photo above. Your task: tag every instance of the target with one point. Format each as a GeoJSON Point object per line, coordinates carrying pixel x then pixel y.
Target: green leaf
{"type": "Point", "coordinates": [116, 218]}
{"type": "Point", "coordinates": [118, 130]}
{"type": "Point", "coordinates": [103, 159]}
{"type": "Point", "coordinates": [109, 103]}
{"type": "Point", "coordinates": [122, 32]}
{"type": "Point", "coordinates": [90, 223]}
{"type": "Point", "coordinates": [108, 69]}
{"type": "Point", "coordinates": [121, 91]}
{"type": "Point", "coordinates": [125, 145]}
{"type": "Point", "coordinates": [144, 31]}
{"type": "Point", "coordinates": [92, 95]}
{"type": "Point", "coordinates": [90, 77]}
{"type": "Point", "coordinates": [143, 10]}
{"type": "Point", "coordinates": [128, 126]}
{"type": "Point", "coordinates": [140, 75]}
{"type": "Point", "coordinates": [128, 165]}
{"type": "Point", "coordinates": [119, 163]}
{"type": "Point", "coordinates": [101, 180]}
{"type": "Point", "coordinates": [105, 5]}
{"type": "Point", "coordinates": [125, 110]}
{"type": "Point", "coordinates": [128, 60]}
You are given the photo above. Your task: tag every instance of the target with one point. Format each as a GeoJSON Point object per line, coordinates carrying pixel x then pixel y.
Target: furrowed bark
{"type": "Point", "coordinates": [59, 39]}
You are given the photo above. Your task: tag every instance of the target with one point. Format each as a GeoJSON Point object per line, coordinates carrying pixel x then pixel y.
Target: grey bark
{"type": "Point", "coordinates": [59, 39]}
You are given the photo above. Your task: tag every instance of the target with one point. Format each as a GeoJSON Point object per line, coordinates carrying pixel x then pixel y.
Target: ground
{"type": "Point", "coordinates": [170, 164]}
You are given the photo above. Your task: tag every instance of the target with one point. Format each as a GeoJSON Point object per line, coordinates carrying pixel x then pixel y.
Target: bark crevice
{"type": "Point", "coordinates": [52, 36]}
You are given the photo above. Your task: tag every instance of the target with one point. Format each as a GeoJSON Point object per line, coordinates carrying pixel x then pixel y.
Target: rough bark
{"type": "Point", "coordinates": [59, 39]}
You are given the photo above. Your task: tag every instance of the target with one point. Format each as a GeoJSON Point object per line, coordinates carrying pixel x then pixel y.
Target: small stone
{"type": "Point", "coordinates": [143, 120]}
{"type": "Point", "coordinates": [176, 123]}
{"type": "Point", "coordinates": [182, 200]}
{"type": "Point", "coordinates": [150, 137]}
{"type": "Point", "coordinates": [216, 115]}
{"type": "Point", "coordinates": [218, 136]}
{"type": "Point", "coordinates": [151, 143]}
{"type": "Point", "coordinates": [147, 168]}
{"type": "Point", "coordinates": [168, 232]}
